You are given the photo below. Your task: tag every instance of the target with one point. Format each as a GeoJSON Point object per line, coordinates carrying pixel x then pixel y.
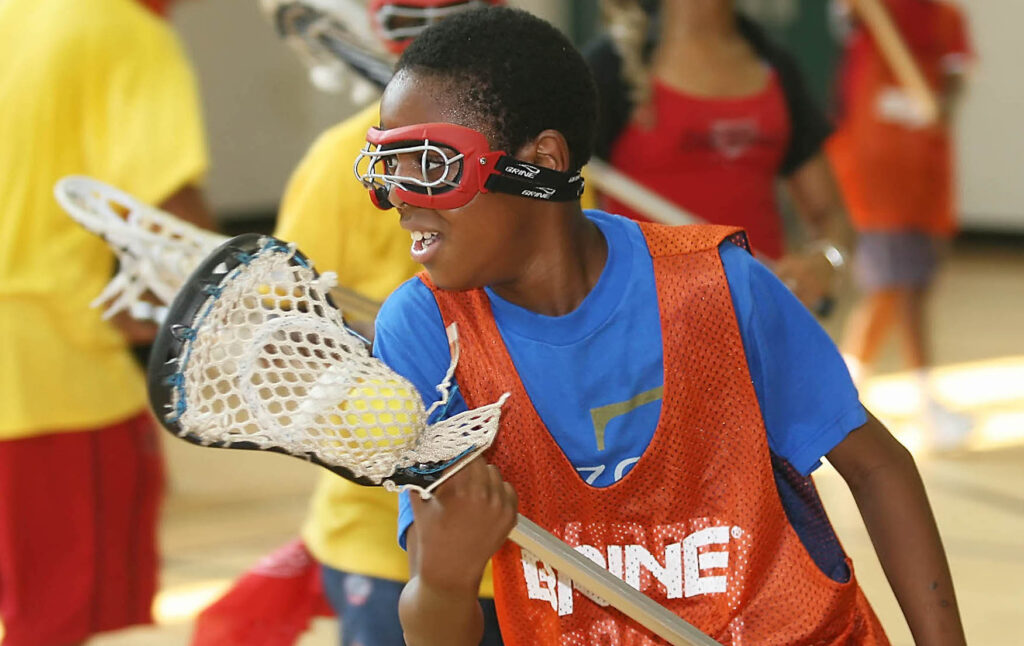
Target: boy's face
{"type": "Point", "coordinates": [480, 243]}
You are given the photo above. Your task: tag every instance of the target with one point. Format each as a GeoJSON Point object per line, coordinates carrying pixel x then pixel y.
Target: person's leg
{"type": "Point", "coordinates": [130, 485]}
{"type": "Point", "coordinates": [492, 633]}
{"type": "Point", "coordinates": [367, 608]}
{"type": "Point", "coordinates": [47, 547]}
{"type": "Point", "coordinates": [946, 429]}
{"type": "Point", "coordinates": [912, 327]}
{"type": "Point", "coordinates": [872, 317]}
{"type": "Point", "coordinates": [866, 329]}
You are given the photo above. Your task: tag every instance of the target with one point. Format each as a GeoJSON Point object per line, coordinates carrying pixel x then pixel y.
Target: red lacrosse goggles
{"type": "Point", "coordinates": [397, 23]}
{"type": "Point", "coordinates": [443, 166]}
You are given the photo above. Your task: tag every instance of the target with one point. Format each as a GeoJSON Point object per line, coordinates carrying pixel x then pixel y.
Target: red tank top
{"type": "Point", "coordinates": [716, 158]}
{"type": "Point", "coordinates": [697, 523]}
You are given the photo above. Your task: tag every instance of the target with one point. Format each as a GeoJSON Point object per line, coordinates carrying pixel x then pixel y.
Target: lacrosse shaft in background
{"type": "Point", "coordinates": [635, 195]}
{"type": "Point", "coordinates": [638, 197]}
{"type": "Point", "coordinates": [599, 581]}
{"type": "Point", "coordinates": [897, 55]}
{"type": "Point", "coordinates": [354, 305]}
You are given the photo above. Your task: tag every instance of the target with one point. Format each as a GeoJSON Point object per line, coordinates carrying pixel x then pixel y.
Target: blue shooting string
{"type": "Point", "coordinates": [277, 245]}
{"type": "Point", "coordinates": [442, 467]}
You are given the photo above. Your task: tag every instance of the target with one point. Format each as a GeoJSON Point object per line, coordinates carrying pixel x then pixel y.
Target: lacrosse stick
{"type": "Point", "coordinates": [254, 355]}
{"type": "Point", "coordinates": [898, 56]}
{"type": "Point", "coordinates": [328, 37]}
{"type": "Point", "coordinates": [156, 251]}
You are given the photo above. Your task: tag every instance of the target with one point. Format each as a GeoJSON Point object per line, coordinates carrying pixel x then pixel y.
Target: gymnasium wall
{"type": "Point", "coordinates": [261, 111]}
{"type": "Point", "coordinates": [991, 134]}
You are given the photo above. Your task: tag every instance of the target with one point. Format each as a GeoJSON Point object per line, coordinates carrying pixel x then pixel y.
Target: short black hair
{"type": "Point", "coordinates": [515, 72]}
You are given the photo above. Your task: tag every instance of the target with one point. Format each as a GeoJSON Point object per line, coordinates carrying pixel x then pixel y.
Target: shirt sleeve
{"type": "Point", "coordinates": [957, 49]}
{"type": "Point", "coordinates": [807, 399]}
{"type": "Point", "coordinates": [149, 139]}
{"type": "Point", "coordinates": [809, 127]}
{"type": "Point", "coordinates": [410, 339]}
{"type": "Point", "coordinates": [310, 200]}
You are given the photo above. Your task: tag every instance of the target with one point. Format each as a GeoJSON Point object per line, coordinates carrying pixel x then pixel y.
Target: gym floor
{"type": "Point", "coordinates": [226, 509]}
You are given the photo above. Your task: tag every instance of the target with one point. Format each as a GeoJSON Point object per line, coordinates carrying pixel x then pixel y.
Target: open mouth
{"type": "Point", "coordinates": [424, 243]}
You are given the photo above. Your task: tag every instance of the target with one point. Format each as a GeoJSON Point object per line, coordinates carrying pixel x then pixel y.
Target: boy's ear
{"type": "Point", "coordinates": [548, 149]}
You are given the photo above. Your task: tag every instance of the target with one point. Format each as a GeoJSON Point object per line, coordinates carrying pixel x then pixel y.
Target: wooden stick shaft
{"type": "Point", "coordinates": [353, 304]}
{"type": "Point", "coordinates": [599, 581]}
{"type": "Point", "coordinates": [637, 196]}
{"type": "Point", "coordinates": [896, 53]}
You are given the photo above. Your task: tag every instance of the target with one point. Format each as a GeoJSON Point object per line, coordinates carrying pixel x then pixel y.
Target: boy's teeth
{"type": "Point", "coordinates": [422, 235]}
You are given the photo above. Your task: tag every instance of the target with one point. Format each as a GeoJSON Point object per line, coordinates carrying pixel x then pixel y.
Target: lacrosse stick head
{"type": "Point", "coordinates": [329, 37]}
{"type": "Point", "coordinates": [254, 354]}
{"type": "Point", "coordinates": [398, 23]}
{"type": "Point", "coordinates": [155, 250]}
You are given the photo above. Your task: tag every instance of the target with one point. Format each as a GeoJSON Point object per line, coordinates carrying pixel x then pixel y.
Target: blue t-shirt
{"type": "Point", "coordinates": [608, 352]}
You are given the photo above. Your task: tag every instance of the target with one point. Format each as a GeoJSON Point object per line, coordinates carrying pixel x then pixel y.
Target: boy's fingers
{"type": "Point", "coordinates": [511, 495]}
{"type": "Point", "coordinates": [472, 476]}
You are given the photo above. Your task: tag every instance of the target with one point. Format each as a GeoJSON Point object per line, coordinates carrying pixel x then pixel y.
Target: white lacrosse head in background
{"type": "Point", "coordinates": [268, 363]}
{"type": "Point", "coordinates": [156, 251]}
{"type": "Point", "coordinates": [333, 40]}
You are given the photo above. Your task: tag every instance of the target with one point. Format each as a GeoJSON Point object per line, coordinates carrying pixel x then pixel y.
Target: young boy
{"type": "Point", "coordinates": [350, 529]}
{"type": "Point", "coordinates": [668, 395]}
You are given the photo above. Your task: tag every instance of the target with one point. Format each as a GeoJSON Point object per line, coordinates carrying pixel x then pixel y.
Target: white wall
{"type": "Point", "coordinates": [991, 123]}
{"type": "Point", "coordinates": [261, 111]}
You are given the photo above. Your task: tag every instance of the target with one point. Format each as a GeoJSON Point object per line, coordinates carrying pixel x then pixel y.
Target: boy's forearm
{"type": "Point", "coordinates": [894, 505]}
{"type": "Point", "coordinates": [432, 616]}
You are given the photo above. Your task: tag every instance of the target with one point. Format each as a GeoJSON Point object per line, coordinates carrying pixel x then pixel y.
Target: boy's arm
{"type": "Point", "coordinates": [454, 535]}
{"type": "Point", "coordinates": [891, 497]}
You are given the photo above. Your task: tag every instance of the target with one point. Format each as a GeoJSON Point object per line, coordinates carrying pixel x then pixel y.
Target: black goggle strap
{"type": "Point", "coordinates": [514, 177]}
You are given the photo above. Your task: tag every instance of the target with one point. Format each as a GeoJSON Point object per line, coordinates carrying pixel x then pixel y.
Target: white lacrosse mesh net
{"type": "Point", "coordinates": [269, 361]}
{"type": "Point", "coordinates": [306, 24]}
{"type": "Point", "coordinates": [156, 251]}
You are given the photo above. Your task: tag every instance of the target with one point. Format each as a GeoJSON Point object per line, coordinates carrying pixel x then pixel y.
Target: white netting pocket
{"type": "Point", "coordinates": [156, 251]}
{"type": "Point", "coordinates": [268, 363]}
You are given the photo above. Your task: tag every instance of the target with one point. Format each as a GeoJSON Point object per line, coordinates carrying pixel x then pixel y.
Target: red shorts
{"type": "Point", "coordinates": [78, 517]}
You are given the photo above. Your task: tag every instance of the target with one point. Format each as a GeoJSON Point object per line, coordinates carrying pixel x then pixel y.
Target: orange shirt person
{"type": "Point", "coordinates": [896, 174]}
